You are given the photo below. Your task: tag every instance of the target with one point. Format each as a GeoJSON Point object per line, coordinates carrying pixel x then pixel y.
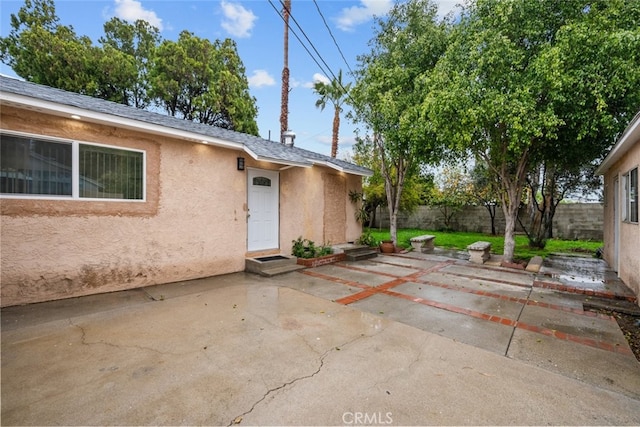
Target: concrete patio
{"type": "Point", "coordinates": [402, 339]}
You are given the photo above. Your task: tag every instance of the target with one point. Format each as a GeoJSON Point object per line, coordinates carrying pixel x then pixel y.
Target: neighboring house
{"type": "Point", "coordinates": [99, 197]}
{"type": "Point", "coordinates": [621, 227]}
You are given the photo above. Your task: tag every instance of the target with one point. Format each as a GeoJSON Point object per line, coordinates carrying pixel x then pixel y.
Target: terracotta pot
{"type": "Point", "coordinates": [387, 247]}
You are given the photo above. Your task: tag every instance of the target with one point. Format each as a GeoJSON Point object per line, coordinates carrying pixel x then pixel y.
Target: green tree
{"type": "Point", "coordinates": [503, 90]}
{"type": "Point", "coordinates": [336, 93]}
{"type": "Point", "coordinates": [594, 90]}
{"type": "Point", "coordinates": [485, 191]}
{"type": "Point", "coordinates": [373, 193]}
{"type": "Point", "coordinates": [452, 192]}
{"type": "Point", "coordinates": [546, 187]}
{"type": "Point", "coordinates": [373, 188]}
{"type": "Point", "coordinates": [204, 82]}
{"type": "Point", "coordinates": [113, 73]}
{"type": "Point", "coordinates": [137, 42]}
{"type": "Point", "coordinates": [41, 50]}
{"type": "Point", "coordinates": [387, 94]}
{"type": "Point", "coordinates": [238, 110]}
{"type": "Point", "coordinates": [191, 78]}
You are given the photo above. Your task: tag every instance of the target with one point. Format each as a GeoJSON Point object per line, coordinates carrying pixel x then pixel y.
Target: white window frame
{"type": "Point", "coordinates": [628, 198]}
{"type": "Point", "coordinates": [75, 171]}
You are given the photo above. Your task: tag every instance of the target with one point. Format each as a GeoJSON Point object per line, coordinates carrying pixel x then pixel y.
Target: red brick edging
{"type": "Point", "coordinates": [323, 260]}
{"type": "Point", "coordinates": [591, 292]}
{"type": "Point", "coordinates": [385, 288]}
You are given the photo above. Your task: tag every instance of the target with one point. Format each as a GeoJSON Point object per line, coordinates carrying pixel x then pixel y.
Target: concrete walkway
{"type": "Point", "coordinates": [413, 339]}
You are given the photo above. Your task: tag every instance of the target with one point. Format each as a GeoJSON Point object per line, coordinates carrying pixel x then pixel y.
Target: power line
{"type": "Point", "coordinates": [310, 42]}
{"type": "Point", "coordinates": [297, 37]}
{"type": "Point", "coordinates": [331, 73]}
{"type": "Point", "coordinates": [332, 37]}
{"type": "Point", "coordinates": [348, 95]}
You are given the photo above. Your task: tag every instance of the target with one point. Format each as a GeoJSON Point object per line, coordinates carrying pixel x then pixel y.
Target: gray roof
{"type": "Point", "coordinates": [259, 148]}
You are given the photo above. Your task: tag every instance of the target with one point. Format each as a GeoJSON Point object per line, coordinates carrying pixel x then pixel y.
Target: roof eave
{"type": "Point", "coordinates": [341, 169]}
{"type": "Point", "coordinates": [268, 159]}
{"type": "Point", "coordinates": [629, 136]}
{"type": "Point", "coordinates": [54, 108]}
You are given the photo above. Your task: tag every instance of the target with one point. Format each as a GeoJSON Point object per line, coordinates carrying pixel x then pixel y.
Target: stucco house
{"type": "Point", "coordinates": [621, 227]}
{"type": "Point", "coordinates": [98, 197]}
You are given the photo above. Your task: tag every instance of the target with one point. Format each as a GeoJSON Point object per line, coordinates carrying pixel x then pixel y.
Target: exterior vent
{"type": "Point", "coordinates": [287, 138]}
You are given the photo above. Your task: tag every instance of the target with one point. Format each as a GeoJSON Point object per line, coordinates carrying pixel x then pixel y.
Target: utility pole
{"type": "Point", "coordinates": [284, 107]}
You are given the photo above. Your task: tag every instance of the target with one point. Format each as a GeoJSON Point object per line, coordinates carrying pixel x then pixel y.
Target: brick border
{"type": "Point", "coordinates": [323, 260]}
{"type": "Point", "coordinates": [590, 292]}
{"type": "Point", "coordinates": [386, 289]}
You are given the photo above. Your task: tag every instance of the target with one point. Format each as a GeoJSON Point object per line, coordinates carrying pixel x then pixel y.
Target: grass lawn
{"type": "Point", "coordinates": [460, 241]}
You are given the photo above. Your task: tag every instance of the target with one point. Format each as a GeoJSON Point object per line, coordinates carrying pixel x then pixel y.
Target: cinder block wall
{"type": "Point", "coordinates": [583, 221]}
{"type": "Point", "coordinates": [571, 221]}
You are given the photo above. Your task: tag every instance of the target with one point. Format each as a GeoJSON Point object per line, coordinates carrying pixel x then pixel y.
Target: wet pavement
{"type": "Point", "coordinates": [589, 276]}
{"type": "Point", "coordinates": [402, 339]}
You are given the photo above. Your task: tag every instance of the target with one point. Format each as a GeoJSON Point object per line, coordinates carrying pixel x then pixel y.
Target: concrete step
{"type": "Point", "coordinates": [359, 253]}
{"type": "Point", "coordinates": [274, 271]}
{"type": "Point", "coordinates": [622, 306]}
{"type": "Point", "coordinates": [271, 265]}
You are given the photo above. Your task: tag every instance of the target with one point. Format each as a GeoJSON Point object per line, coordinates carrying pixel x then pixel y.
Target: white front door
{"type": "Point", "coordinates": [263, 204]}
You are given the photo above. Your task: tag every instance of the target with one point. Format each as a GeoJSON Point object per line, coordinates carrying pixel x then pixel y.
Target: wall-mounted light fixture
{"type": "Point", "coordinates": [240, 163]}
{"type": "Point", "coordinates": [288, 137]}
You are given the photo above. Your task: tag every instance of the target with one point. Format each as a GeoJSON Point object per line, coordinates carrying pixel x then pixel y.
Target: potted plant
{"type": "Point", "coordinates": [387, 247]}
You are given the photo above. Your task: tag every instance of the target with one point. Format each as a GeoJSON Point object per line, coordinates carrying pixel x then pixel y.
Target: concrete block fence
{"type": "Point", "coordinates": [572, 221]}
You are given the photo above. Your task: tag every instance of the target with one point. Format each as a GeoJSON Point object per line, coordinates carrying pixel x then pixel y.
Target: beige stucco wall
{"type": "Point", "coordinates": [57, 249]}
{"type": "Point", "coordinates": [315, 205]}
{"type": "Point", "coordinates": [193, 223]}
{"type": "Point", "coordinates": [628, 265]}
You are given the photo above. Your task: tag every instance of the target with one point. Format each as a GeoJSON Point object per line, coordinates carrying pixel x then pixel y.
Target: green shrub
{"type": "Point", "coordinates": [305, 248]}
{"type": "Point", "coordinates": [367, 239]}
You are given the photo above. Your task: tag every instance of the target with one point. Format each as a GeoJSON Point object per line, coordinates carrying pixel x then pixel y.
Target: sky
{"type": "Point", "coordinates": [326, 36]}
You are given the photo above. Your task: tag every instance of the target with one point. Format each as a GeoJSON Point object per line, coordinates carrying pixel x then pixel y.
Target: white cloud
{"type": "Point", "coordinates": [356, 15]}
{"type": "Point", "coordinates": [261, 78]}
{"type": "Point", "coordinates": [317, 77]}
{"type": "Point", "coordinates": [238, 21]}
{"type": "Point", "coordinates": [131, 11]}
{"type": "Point", "coordinates": [353, 16]}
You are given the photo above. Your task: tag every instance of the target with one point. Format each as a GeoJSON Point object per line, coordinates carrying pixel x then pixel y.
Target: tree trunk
{"type": "Point", "coordinates": [393, 192]}
{"type": "Point", "coordinates": [510, 206]}
{"type": "Point", "coordinates": [284, 106]}
{"type": "Point", "coordinates": [393, 224]}
{"type": "Point", "coordinates": [541, 212]}
{"type": "Point", "coordinates": [336, 129]}
{"type": "Point", "coordinates": [492, 214]}
{"type": "Point", "coordinates": [512, 180]}
{"type": "Point", "coordinates": [371, 210]}
{"type": "Point", "coordinates": [393, 198]}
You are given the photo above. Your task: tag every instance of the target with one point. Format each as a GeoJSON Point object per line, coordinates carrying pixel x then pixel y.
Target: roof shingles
{"type": "Point", "coordinates": [261, 148]}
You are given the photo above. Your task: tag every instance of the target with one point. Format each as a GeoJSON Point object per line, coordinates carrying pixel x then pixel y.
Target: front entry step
{"type": "Point", "coordinates": [360, 253]}
{"type": "Point", "coordinates": [271, 265]}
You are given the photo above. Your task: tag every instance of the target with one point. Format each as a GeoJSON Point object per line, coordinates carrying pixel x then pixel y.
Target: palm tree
{"type": "Point", "coordinates": [336, 93]}
{"type": "Point", "coordinates": [284, 105]}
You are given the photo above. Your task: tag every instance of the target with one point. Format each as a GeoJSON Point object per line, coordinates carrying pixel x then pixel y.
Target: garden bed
{"type": "Point", "coordinates": [323, 260]}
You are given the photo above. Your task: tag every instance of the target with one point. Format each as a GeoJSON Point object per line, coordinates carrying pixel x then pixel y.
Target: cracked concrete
{"type": "Point", "coordinates": [242, 350]}
{"type": "Point", "coordinates": [238, 419]}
